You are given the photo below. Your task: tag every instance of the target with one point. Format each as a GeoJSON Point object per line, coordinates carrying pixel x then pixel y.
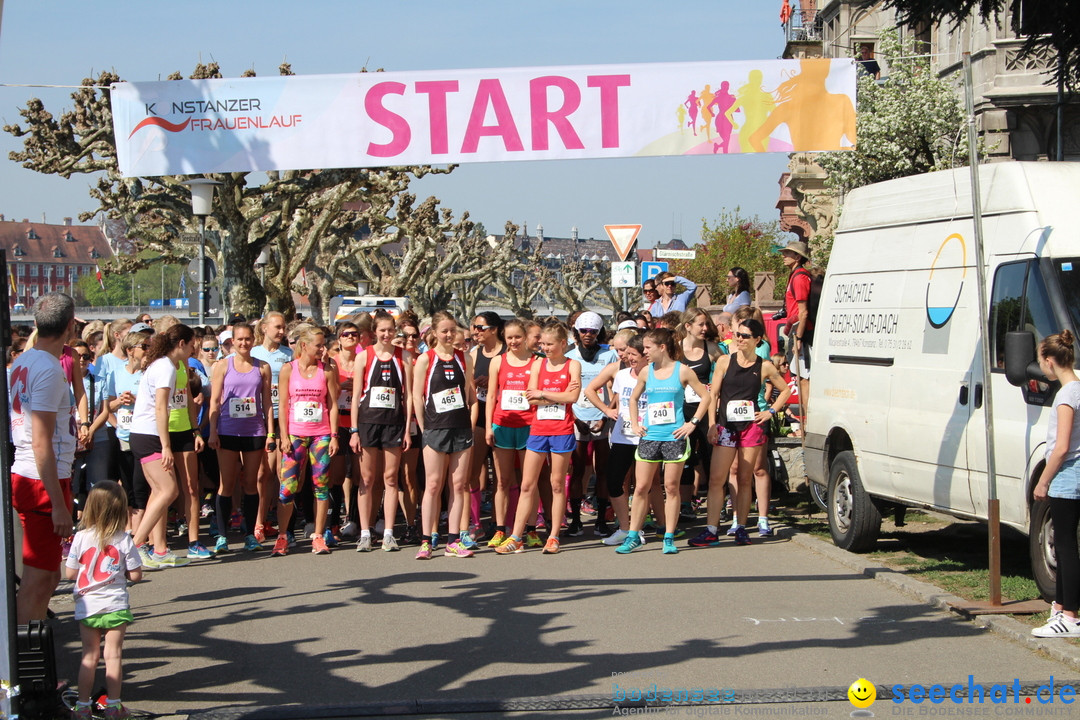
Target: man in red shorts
{"type": "Point", "coordinates": [43, 430]}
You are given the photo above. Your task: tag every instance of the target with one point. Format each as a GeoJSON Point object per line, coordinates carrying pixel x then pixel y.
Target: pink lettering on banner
{"type": "Point", "coordinates": [390, 120]}
{"type": "Point", "coordinates": [541, 115]}
{"type": "Point", "coordinates": [609, 106]}
{"type": "Point", "coordinates": [490, 93]}
{"type": "Point", "coordinates": [437, 92]}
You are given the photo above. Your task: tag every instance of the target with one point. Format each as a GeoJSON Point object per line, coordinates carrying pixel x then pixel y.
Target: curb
{"type": "Point", "coordinates": [1007, 627]}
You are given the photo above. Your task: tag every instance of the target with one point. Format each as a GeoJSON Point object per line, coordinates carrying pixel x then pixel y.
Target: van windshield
{"type": "Point", "coordinates": [1068, 272]}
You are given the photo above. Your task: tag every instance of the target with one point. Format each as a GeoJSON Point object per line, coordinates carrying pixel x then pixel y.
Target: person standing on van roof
{"type": "Point", "coordinates": [797, 306]}
{"type": "Point", "coordinates": [1060, 483]}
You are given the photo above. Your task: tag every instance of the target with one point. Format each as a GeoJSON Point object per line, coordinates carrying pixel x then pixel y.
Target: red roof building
{"type": "Point", "coordinates": [46, 258]}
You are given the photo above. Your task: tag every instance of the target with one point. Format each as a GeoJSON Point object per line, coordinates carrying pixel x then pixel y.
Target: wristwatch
{"type": "Point", "coordinates": [695, 420]}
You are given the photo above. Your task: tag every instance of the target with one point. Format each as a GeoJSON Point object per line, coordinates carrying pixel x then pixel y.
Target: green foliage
{"type": "Point", "coordinates": [734, 241]}
{"type": "Point", "coordinates": [118, 285]}
{"type": "Point", "coordinates": [912, 123]}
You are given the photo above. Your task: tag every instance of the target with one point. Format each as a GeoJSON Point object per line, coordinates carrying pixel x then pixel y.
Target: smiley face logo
{"type": "Point", "coordinates": [862, 693]}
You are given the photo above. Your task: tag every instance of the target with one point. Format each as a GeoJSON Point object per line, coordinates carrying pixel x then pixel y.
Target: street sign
{"type": "Point", "coordinates": [661, 254]}
{"type": "Point", "coordinates": [652, 269]}
{"type": "Point", "coordinates": [622, 238]}
{"type": "Point", "coordinates": [623, 275]}
{"type": "Point", "coordinates": [189, 238]}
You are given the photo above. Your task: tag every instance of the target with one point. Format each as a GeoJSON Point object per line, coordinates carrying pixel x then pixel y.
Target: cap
{"type": "Point", "coordinates": [628, 324]}
{"type": "Point", "coordinates": [236, 318]}
{"type": "Point", "coordinates": [589, 321]}
{"type": "Point", "coordinates": [224, 337]}
{"type": "Point", "coordinates": [140, 327]}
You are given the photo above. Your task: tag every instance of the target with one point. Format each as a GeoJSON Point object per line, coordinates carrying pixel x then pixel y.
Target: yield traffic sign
{"type": "Point", "coordinates": [622, 237]}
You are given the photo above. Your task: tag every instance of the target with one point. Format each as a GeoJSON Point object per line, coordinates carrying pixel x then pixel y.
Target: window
{"type": "Point", "coordinates": [1019, 302]}
{"type": "Point", "coordinates": [20, 269]}
{"type": "Point", "coordinates": [33, 270]}
{"type": "Point", "coordinates": [18, 251]}
{"type": "Point", "coordinates": [31, 235]}
{"type": "Point", "coordinates": [57, 252]}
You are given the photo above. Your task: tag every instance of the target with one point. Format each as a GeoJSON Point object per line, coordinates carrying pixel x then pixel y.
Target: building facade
{"type": "Point", "coordinates": [44, 258]}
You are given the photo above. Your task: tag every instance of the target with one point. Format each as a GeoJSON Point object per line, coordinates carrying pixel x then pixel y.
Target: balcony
{"type": "Point", "coordinates": [803, 26]}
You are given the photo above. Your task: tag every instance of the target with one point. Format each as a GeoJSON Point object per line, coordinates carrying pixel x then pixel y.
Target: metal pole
{"type": "Point", "coordinates": [202, 269]}
{"type": "Point", "coordinates": [9, 662]}
{"type": "Point", "coordinates": [1060, 154]}
{"type": "Point", "coordinates": [993, 504]}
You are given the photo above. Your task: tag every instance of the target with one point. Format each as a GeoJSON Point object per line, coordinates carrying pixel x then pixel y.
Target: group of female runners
{"type": "Point", "coordinates": [368, 420]}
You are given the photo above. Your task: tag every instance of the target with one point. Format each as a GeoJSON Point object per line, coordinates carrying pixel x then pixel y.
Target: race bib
{"type": "Point", "coordinates": [740, 410]}
{"type": "Point", "coordinates": [481, 394]}
{"type": "Point", "coordinates": [551, 412]}
{"type": "Point", "coordinates": [384, 398]}
{"type": "Point", "coordinates": [344, 401]}
{"type": "Point", "coordinates": [691, 397]}
{"type": "Point", "coordinates": [274, 395]}
{"type": "Point", "coordinates": [449, 400]}
{"type": "Point", "coordinates": [307, 412]}
{"type": "Point", "coordinates": [241, 407]}
{"type": "Point", "coordinates": [514, 400]}
{"type": "Point", "coordinates": [178, 399]}
{"type": "Point", "coordinates": [624, 418]}
{"type": "Point", "coordinates": [124, 417]}
{"type": "Point", "coordinates": [662, 413]}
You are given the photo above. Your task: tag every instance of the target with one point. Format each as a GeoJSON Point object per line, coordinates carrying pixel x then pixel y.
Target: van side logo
{"type": "Point", "coordinates": [946, 281]}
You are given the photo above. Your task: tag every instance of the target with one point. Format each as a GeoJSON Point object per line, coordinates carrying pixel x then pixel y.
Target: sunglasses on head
{"type": "Point", "coordinates": [744, 336]}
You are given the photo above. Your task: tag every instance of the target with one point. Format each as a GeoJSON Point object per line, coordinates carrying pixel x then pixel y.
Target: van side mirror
{"type": "Point", "coordinates": [1020, 362]}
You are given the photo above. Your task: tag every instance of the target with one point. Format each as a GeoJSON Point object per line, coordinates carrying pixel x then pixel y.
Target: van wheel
{"type": "Point", "coordinates": [820, 494]}
{"type": "Point", "coordinates": [854, 520]}
{"type": "Point", "coordinates": [1041, 549]}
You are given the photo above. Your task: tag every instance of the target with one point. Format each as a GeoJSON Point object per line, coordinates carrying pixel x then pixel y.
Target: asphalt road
{"type": "Point", "coordinates": [775, 628]}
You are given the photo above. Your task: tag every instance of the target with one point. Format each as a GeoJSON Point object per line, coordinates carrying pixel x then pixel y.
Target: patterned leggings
{"type": "Point", "coordinates": [317, 451]}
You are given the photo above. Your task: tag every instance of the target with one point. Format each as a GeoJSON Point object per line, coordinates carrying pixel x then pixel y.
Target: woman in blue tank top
{"type": "Point", "coordinates": [664, 435]}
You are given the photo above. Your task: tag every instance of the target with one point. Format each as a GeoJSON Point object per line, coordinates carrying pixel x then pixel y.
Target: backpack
{"type": "Point", "coordinates": [817, 282]}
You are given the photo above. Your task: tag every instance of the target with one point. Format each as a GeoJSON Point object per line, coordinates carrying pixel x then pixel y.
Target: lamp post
{"type": "Point", "coordinates": [261, 262]}
{"type": "Point", "coordinates": [202, 198]}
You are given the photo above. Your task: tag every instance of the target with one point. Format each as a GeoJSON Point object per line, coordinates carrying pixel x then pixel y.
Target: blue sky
{"type": "Point", "coordinates": [62, 42]}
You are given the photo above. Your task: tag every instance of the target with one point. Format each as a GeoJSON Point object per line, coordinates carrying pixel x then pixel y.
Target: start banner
{"type": "Point", "coordinates": [436, 117]}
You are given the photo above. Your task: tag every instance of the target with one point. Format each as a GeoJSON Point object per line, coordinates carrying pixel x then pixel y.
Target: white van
{"type": "Point", "coordinates": [345, 307]}
{"type": "Point", "coordinates": [896, 416]}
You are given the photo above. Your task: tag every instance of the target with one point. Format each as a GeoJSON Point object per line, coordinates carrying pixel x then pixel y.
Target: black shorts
{"type": "Point", "coordinates": [449, 440]}
{"type": "Point", "coordinates": [663, 451]}
{"type": "Point", "coordinates": [183, 441]}
{"type": "Point", "coordinates": [379, 436]}
{"type": "Point", "coordinates": [242, 444]}
{"type": "Point", "coordinates": [145, 448]}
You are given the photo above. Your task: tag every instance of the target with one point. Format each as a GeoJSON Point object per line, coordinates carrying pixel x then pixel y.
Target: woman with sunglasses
{"type": "Point", "coordinates": [270, 349]}
{"type": "Point", "coordinates": [209, 349]}
{"type": "Point", "coordinates": [345, 466]}
{"type": "Point", "coordinates": [92, 459]}
{"type": "Point", "coordinates": [381, 427]}
{"type": "Point", "coordinates": [649, 295]}
{"type": "Point", "coordinates": [412, 482]}
{"type": "Point", "coordinates": [738, 427]}
{"type": "Point", "coordinates": [488, 332]}
{"type": "Point", "coordinates": [123, 386]}
{"type": "Point", "coordinates": [668, 300]}
{"type": "Point", "coordinates": [240, 418]}
{"type": "Point", "coordinates": [699, 354]}
{"type": "Point", "coordinates": [738, 281]}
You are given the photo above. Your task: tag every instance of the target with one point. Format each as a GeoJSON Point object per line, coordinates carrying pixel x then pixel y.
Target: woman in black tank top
{"type": "Point", "coordinates": [737, 428]}
{"type": "Point", "coordinates": [696, 335]}
{"type": "Point", "coordinates": [488, 332]}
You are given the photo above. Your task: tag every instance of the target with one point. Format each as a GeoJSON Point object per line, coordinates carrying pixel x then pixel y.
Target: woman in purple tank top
{"type": "Point", "coordinates": [241, 413]}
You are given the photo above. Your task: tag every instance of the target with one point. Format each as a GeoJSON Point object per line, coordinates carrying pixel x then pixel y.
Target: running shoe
{"type": "Point", "coordinates": [733, 530]}
{"type": "Point", "coordinates": [116, 712]}
{"type": "Point", "coordinates": [704, 539]}
{"type": "Point", "coordinates": [686, 512]}
{"type": "Point", "coordinates": [198, 551]}
{"type": "Point", "coordinates": [601, 529]}
{"type": "Point", "coordinates": [169, 560]}
{"type": "Point", "coordinates": [318, 545]}
{"type": "Point", "coordinates": [206, 511]}
{"type": "Point", "coordinates": [147, 558]}
{"type": "Point", "coordinates": [552, 546]}
{"type": "Point", "coordinates": [389, 544]}
{"type": "Point", "coordinates": [294, 537]}
{"type": "Point", "coordinates": [669, 546]}
{"type": "Point", "coordinates": [260, 533]}
{"type": "Point", "coordinates": [221, 546]}
{"type": "Point", "coordinates": [181, 528]}
{"type": "Point", "coordinates": [510, 546]}
{"type": "Point", "coordinates": [281, 546]}
{"type": "Point", "coordinates": [575, 529]}
{"type": "Point", "coordinates": [82, 712]}
{"type": "Point", "coordinates": [410, 537]}
{"type": "Point", "coordinates": [434, 541]}
{"type": "Point", "coordinates": [497, 539]}
{"type": "Point", "coordinates": [424, 553]}
{"type": "Point", "coordinates": [616, 538]}
{"type": "Point", "coordinates": [1058, 626]}
{"type": "Point", "coordinates": [532, 539]}
{"type": "Point", "coordinates": [251, 544]}
{"type": "Point", "coordinates": [587, 508]}
{"type": "Point", "coordinates": [328, 536]}
{"type": "Point", "coordinates": [456, 549]}
{"type": "Point", "coordinates": [679, 533]}
{"type": "Point", "coordinates": [467, 541]}
{"type": "Point", "coordinates": [476, 532]}
{"type": "Point", "coordinates": [350, 529]}
{"type": "Point", "coordinates": [629, 545]}
{"type": "Point", "coordinates": [763, 528]}
{"type": "Point", "coordinates": [741, 536]}
{"type": "Point", "coordinates": [363, 544]}
{"type": "Point", "coordinates": [309, 529]}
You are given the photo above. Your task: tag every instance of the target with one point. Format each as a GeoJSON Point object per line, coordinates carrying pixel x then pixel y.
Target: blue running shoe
{"type": "Point", "coordinates": [252, 544]}
{"type": "Point", "coordinates": [434, 541]}
{"type": "Point", "coordinates": [763, 529]}
{"type": "Point", "coordinates": [630, 544]}
{"type": "Point", "coordinates": [221, 546]}
{"type": "Point", "coordinates": [198, 551]}
{"type": "Point", "coordinates": [467, 541]}
{"type": "Point", "coordinates": [328, 536]}
{"type": "Point", "coordinates": [669, 546]}
{"type": "Point", "coordinates": [741, 536]}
